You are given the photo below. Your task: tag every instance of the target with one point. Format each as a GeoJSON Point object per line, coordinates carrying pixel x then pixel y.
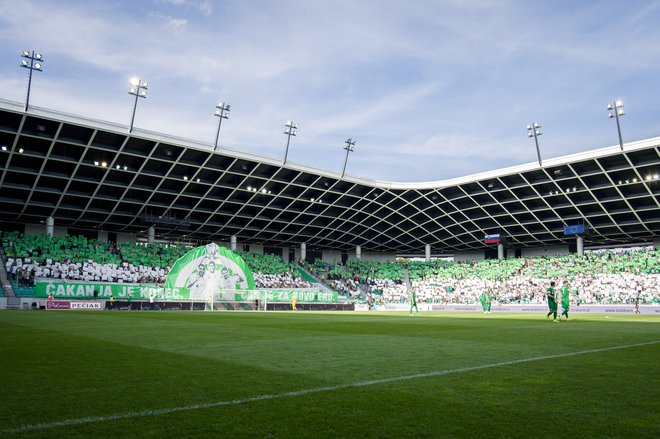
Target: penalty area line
{"type": "Point", "coordinates": [304, 392]}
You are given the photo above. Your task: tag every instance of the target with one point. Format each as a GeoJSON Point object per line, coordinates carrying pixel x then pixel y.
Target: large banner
{"type": "Point", "coordinates": [85, 290]}
{"type": "Point", "coordinates": [281, 295]}
{"type": "Point", "coordinates": [102, 290]}
{"type": "Point", "coordinates": [209, 273]}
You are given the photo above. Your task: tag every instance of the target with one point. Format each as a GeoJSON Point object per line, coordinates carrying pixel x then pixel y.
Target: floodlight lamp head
{"type": "Point", "coordinates": [37, 66]}
{"type": "Point", "coordinates": [529, 127]}
{"type": "Point", "coordinates": [537, 125]}
{"type": "Point", "coordinates": [530, 134]}
{"type": "Point", "coordinates": [609, 106]}
{"type": "Point", "coordinates": [38, 56]}
{"type": "Point", "coordinates": [618, 103]}
{"type": "Point", "coordinates": [620, 112]}
{"type": "Point", "coordinates": [26, 54]}
{"type": "Point", "coordinates": [610, 115]}
{"type": "Point", "coordinates": [143, 94]}
{"type": "Point", "coordinates": [538, 132]}
{"type": "Point", "coordinates": [145, 84]}
{"type": "Point", "coordinates": [134, 82]}
{"type": "Point", "coordinates": [24, 63]}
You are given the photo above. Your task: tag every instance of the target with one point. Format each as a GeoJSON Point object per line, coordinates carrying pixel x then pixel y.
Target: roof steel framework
{"type": "Point", "coordinates": [52, 165]}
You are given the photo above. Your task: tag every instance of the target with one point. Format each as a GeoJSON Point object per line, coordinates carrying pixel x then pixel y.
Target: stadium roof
{"type": "Point", "coordinates": [52, 165]}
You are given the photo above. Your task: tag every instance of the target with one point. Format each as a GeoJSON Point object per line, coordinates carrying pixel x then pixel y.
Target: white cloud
{"type": "Point", "coordinates": [176, 23]}
{"type": "Point", "coordinates": [205, 7]}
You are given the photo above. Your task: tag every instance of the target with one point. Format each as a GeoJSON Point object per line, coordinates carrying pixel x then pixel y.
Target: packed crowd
{"type": "Point", "coordinates": [603, 277]}
{"type": "Point", "coordinates": [269, 271]}
{"type": "Point", "coordinates": [29, 257]}
{"type": "Point", "coordinates": [599, 277]}
{"type": "Point", "coordinates": [25, 272]}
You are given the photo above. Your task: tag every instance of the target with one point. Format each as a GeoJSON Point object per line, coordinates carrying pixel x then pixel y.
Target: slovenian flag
{"type": "Point", "coordinates": [492, 239]}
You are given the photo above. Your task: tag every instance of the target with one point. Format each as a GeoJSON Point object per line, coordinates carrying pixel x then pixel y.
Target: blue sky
{"type": "Point", "coordinates": [429, 89]}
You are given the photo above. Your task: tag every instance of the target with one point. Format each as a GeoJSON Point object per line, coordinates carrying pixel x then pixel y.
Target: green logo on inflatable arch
{"type": "Point", "coordinates": [210, 273]}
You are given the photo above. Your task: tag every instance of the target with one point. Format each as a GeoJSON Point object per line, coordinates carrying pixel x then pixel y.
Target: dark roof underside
{"type": "Point", "coordinates": [55, 175]}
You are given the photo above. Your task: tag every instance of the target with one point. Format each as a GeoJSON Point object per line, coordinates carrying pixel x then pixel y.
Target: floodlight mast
{"type": "Point", "coordinates": [350, 144]}
{"type": "Point", "coordinates": [615, 110]}
{"type": "Point", "coordinates": [534, 130]}
{"type": "Point", "coordinates": [221, 112]}
{"type": "Point", "coordinates": [138, 89]}
{"type": "Point", "coordinates": [34, 64]}
{"type": "Point", "coordinates": [290, 129]}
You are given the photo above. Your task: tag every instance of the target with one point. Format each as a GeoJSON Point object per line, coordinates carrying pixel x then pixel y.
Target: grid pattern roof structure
{"type": "Point", "coordinates": [94, 175]}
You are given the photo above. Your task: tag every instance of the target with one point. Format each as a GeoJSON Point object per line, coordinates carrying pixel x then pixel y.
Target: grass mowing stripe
{"type": "Point", "coordinates": [304, 392]}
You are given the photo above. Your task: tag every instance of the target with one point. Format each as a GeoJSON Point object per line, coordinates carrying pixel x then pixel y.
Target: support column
{"type": "Point", "coordinates": [50, 226]}
{"type": "Point", "coordinates": [303, 251]}
{"type": "Point", "coordinates": [151, 233]}
{"type": "Point", "coordinates": [500, 251]}
{"type": "Point", "coordinates": [232, 243]}
{"type": "Point", "coordinates": [427, 252]}
{"type": "Point", "coordinates": [580, 246]}
{"type": "Point", "coordinates": [358, 252]}
{"type": "Point", "coordinates": [285, 254]}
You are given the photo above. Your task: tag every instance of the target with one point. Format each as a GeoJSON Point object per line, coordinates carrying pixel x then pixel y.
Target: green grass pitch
{"type": "Point", "coordinates": [344, 375]}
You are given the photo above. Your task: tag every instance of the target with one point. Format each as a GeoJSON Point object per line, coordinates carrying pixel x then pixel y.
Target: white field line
{"type": "Point", "coordinates": [305, 392]}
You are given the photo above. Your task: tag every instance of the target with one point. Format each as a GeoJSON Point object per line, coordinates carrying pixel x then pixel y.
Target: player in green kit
{"type": "Point", "coordinates": [413, 302]}
{"type": "Point", "coordinates": [552, 301]}
{"type": "Point", "coordinates": [565, 299]}
{"type": "Point", "coordinates": [484, 302]}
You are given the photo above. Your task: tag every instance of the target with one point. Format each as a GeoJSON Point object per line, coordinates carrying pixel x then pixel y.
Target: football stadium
{"type": "Point", "coordinates": [312, 332]}
{"type": "Point", "coordinates": [161, 286]}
